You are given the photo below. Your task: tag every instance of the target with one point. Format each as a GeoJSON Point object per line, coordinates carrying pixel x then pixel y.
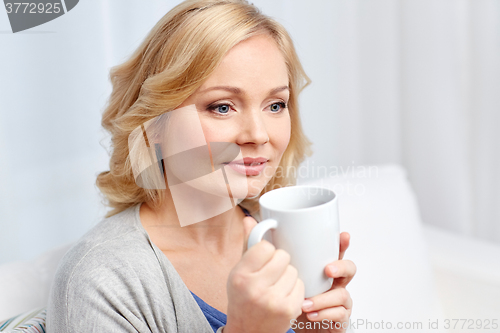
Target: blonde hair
{"type": "Point", "coordinates": [179, 53]}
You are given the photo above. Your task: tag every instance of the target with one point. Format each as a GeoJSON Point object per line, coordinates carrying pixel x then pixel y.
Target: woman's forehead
{"type": "Point", "coordinates": [256, 62]}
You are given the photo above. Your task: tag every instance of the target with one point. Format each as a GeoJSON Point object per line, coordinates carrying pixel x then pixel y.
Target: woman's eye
{"type": "Point", "coordinates": [277, 107]}
{"type": "Point", "coordinates": [220, 108]}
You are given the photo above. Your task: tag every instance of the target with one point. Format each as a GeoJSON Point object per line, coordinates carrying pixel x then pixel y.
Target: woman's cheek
{"type": "Point", "coordinates": [215, 133]}
{"type": "Point", "coordinates": [282, 135]}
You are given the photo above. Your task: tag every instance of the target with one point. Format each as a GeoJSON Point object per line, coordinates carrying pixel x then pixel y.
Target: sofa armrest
{"type": "Point", "coordinates": [467, 274]}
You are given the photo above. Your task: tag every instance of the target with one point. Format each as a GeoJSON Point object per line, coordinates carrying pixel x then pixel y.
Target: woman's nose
{"type": "Point", "coordinates": [253, 129]}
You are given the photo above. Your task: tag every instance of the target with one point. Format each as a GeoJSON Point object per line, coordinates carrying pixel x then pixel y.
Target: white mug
{"type": "Point", "coordinates": [304, 221]}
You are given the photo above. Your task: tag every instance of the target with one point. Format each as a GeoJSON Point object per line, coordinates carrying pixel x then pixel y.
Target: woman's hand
{"type": "Point", "coordinates": [264, 291]}
{"type": "Point", "coordinates": [334, 305]}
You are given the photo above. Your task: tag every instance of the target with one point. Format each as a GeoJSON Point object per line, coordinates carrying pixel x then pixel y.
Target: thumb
{"type": "Point", "coordinates": [248, 224]}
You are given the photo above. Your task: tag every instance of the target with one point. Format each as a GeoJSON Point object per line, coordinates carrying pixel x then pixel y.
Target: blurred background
{"type": "Point", "coordinates": [414, 83]}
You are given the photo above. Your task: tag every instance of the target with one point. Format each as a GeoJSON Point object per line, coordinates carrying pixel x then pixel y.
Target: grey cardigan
{"type": "Point", "coordinates": [114, 279]}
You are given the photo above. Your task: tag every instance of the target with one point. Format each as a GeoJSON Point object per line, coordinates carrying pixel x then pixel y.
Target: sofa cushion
{"type": "Point", "coordinates": [29, 322]}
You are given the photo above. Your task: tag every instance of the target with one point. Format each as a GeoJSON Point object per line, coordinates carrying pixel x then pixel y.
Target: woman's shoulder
{"type": "Point", "coordinates": [109, 235]}
{"type": "Point", "coordinates": [111, 274]}
{"type": "Point", "coordinates": [116, 245]}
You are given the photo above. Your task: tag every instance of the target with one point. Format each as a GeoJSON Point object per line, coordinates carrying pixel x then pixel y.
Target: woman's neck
{"type": "Point", "coordinates": [216, 234]}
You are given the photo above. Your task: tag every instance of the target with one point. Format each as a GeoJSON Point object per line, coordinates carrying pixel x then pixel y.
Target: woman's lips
{"type": "Point", "coordinates": [249, 167]}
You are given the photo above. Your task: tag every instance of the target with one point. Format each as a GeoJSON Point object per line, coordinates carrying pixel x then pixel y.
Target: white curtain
{"type": "Point", "coordinates": [450, 112]}
{"type": "Point", "coordinates": [413, 82]}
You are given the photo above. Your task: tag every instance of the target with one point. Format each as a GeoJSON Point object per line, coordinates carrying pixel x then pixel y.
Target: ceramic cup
{"type": "Point", "coordinates": [304, 222]}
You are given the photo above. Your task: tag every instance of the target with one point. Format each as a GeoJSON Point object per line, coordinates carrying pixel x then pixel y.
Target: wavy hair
{"type": "Point", "coordinates": [176, 57]}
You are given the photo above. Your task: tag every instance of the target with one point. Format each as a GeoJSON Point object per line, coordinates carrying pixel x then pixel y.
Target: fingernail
{"type": "Point", "coordinates": [333, 269]}
{"type": "Point", "coordinates": [307, 304]}
{"type": "Point", "coordinates": [312, 315]}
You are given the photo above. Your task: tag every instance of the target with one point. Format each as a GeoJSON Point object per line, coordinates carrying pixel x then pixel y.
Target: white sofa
{"type": "Point", "coordinates": [406, 272]}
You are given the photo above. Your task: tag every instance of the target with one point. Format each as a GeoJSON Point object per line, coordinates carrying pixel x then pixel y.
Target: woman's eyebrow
{"type": "Point", "coordinates": [277, 90]}
{"type": "Point", "coordinates": [238, 91]}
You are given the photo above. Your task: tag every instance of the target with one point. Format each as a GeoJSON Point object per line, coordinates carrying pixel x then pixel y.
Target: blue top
{"type": "Point", "coordinates": [214, 316]}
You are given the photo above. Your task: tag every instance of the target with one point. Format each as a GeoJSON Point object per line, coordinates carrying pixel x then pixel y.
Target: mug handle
{"type": "Point", "coordinates": [259, 230]}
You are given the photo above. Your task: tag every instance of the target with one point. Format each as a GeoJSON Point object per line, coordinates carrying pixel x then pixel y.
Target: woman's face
{"type": "Point", "coordinates": [244, 102]}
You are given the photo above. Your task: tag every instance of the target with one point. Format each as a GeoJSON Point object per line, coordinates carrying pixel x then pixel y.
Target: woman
{"type": "Point", "coordinates": [164, 260]}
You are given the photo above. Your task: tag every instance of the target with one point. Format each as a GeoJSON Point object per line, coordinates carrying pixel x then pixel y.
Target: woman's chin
{"type": "Point", "coordinates": [255, 189]}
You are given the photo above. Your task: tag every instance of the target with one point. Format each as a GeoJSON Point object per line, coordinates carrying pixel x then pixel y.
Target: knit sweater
{"type": "Point", "coordinates": [116, 280]}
